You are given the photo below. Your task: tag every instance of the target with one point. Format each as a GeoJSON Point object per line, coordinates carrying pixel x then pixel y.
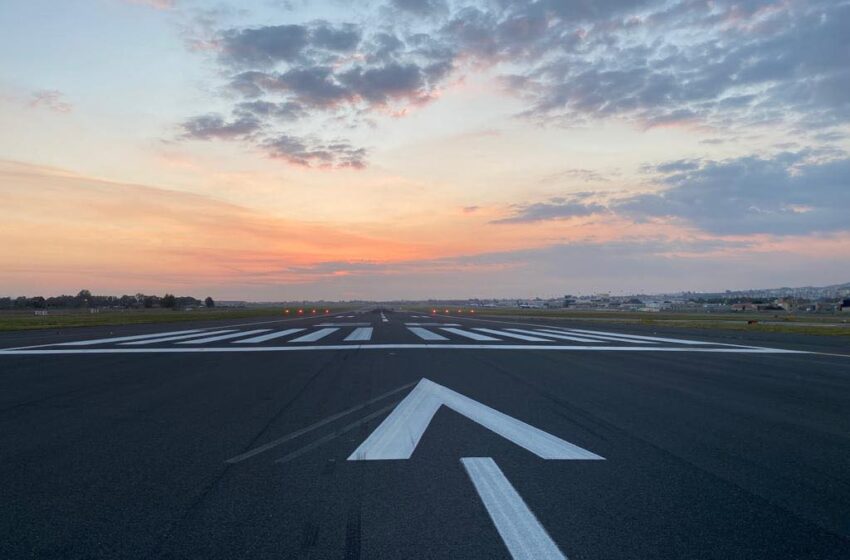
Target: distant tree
{"type": "Point", "coordinates": [5, 303]}
{"type": "Point", "coordinates": [149, 301]}
{"type": "Point", "coordinates": [169, 301]}
{"type": "Point", "coordinates": [83, 298]}
{"type": "Point", "coordinates": [209, 302]}
{"type": "Point", "coordinates": [20, 302]}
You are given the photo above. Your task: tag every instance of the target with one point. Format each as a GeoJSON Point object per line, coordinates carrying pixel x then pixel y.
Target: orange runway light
{"type": "Point", "coordinates": [313, 312]}
{"type": "Point", "coordinates": [286, 311]}
{"type": "Point", "coordinates": [327, 311]}
{"type": "Point", "coordinates": [300, 311]}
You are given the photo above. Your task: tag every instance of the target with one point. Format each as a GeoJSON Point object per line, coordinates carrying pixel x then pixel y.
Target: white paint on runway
{"type": "Point", "coordinates": [270, 336]}
{"type": "Point", "coordinates": [639, 337]}
{"type": "Point", "coordinates": [513, 335]}
{"type": "Point", "coordinates": [127, 338]}
{"type": "Point", "coordinates": [360, 334]}
{"type": "Point", "coordinates": [173, 338]}
{"type": "Point", "coordinates": [425, 334]}
{"type": "Point", "coordinates": [433, 346]}
{"type": "Point", "coordinates": [433, 325]}
{"type": "Point", "coordinates": [315, 335]}
{"type": "Point", "coordinates": [208, 339]}
{"type": "Point", "coordinates": [520, 530]}
{"type": "Point", "coordinates": [470, 335]}
{"type": "Point", "coordinates": [399, 434]}
{"type": "Point", "coordinates": [552, 335]}
{"type": "Point", "coordinates": [598, 337]}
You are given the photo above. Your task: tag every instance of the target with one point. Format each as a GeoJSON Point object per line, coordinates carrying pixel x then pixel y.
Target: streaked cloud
{"type": "Point", "coordinates": [50, 99]}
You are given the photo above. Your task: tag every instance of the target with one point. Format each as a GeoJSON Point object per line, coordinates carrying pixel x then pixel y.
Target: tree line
{"type": "Point", "coordinates": [85, 299]}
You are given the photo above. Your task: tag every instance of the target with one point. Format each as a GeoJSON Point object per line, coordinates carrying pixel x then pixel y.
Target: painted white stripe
{"type": "Point", "coordinates": [520, 530]}
{"type": "Point", "coordinates": [333, 347]}
{"type": "Point", "coordinates": [126, 338]}
{"type": "Point", "coordinates": [343, 324]}
{"type": "Point", "coordinates": [398, 435]}
{"type": "Point", "coordinates": [315, 335]}
{"type": "Point", "coordinates": [171, 338]}
{"type": "Point", "coordinates": [606, 338]}
{"type": "Point", "coordinates": [270, 336]}
{"type": "Point", "coordinates": [552, 335]}
{"type": "Point", "coordinates": [360, 334]}
{"type": "Point", "coordinates": [514, 335]}
{"type": "Point", "coordinates": [209, 339]}
{"type": "Point", "coordinates": [639, 337]}
{"type": "Point", "coordinates": [384, 319]}
{"type": "Point", "coordinates": [425, 334]}
{"type": "Point", "coordinates": [432, 324]}
{"type": "Point", "coordinates": [469, 334]}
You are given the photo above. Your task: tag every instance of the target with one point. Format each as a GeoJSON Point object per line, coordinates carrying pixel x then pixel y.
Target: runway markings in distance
{"type": "Point", "coordinates": [127, 338]}
{"type": "Point", "coordinates": [554, 335]}
{"type": "Point", "coordinates": [173, 338]}
{"type": "Point", "coordinates": [514, 335]}
{"type": "Point", "coordinates": [343, 324]}
{"type": "Point", "coordinates": [384, 318]}
{"type": "Point", "coordinates": [469, 334]}
{"type": "Point", "coordinates": [640, 337]}
{"type": "Point", "coordinates": [315, 335]}
{"type": "Point", "coordinates": [595, 337]}
{"type": "Point", "coordinates": [425, 334]}
{"type": "Point", "coordinates": [522, 533]}
{"type": "Point", "coordinates": [208, 339]}
{"type": "Point", "coordinates": [270, 336]}
{"type": "Point", "coordinates": [360, 334]}
{"type": "Point", "coordinates": [433, 325]}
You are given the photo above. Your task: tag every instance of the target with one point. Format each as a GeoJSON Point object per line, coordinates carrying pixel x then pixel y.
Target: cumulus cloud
{"type": "Point", "coordinates": [307, 153]}
{"type": "Point", "coordinates": [791, 193]}
{"type": "Point", "coordinates": [214, 126]}
{"type": "Point", "coordinates": [726, 64]}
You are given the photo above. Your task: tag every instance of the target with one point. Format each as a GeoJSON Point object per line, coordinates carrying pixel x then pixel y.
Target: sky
{"type": "Point", "coordinates": [293, 149]}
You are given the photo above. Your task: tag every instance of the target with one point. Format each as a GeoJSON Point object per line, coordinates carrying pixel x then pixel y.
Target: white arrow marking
{"type": "Point", "coordinates": [520, 530]}
{"type": "Point", "coordinates": [400, 432]}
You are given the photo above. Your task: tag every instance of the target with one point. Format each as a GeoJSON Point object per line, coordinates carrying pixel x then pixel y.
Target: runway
{"type": "Point", "coordinates": [408, 435]}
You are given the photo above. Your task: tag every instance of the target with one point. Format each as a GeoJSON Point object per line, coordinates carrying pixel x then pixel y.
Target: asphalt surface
{"type": "Point", "coordinates": [715, 445]}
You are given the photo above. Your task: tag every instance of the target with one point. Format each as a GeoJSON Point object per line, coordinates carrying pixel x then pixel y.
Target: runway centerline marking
{"type": "Point", "coordinates": [520, 530]}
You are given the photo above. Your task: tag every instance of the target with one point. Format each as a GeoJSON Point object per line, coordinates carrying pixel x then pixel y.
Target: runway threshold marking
{"type": "Point", "coordinates": [270, 336]}
{"type": "Point", "coordinates": [596, 337]}
{"type": "Point", "coordinates": [298, 433]}
{"type": "Point", "coordinates": [127, 338]}
{"type": "Point", "coordinates": [425, 334]}
{"type": "Point", "coordinates": [315, 335]}
{"type": "Point", "coordinates": [640, 337]}
{"type": "Point", "coordinates": [173, 338]}
{"type": "Point", "coordinates": [513, 335]}
{"type": "Point", "coordinates": [420, 346]}
{"type": "Point", "coordinates": [360, 334]}
{"type": "Point", "coordinates": [561, 336]}
{"type": "Point", "coordinates": [469, 334]}
{"type": "Point", "coordinates": [522, 533]}
{"type": "Point", "coordinates": [208, 339]}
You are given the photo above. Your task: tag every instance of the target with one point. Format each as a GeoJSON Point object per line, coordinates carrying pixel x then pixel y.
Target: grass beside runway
{"type": "Point", "coordinates": [18, 320]}
{"type": "Point", "coordinates": [830, 325]}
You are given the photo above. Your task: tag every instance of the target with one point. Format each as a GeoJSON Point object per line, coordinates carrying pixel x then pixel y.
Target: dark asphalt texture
{"type": "Point", "coordinates": [708, 455]}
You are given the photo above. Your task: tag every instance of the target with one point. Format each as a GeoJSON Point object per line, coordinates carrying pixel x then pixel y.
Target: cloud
{"type": "Point", "coordinates": [554, 209]}
{"type": "Point", "coordinates": [790, 193]}
{"type": "Point", "coordinates": [263, 46]}
{"type": "Point", "coordinates": [50, 99]}
{"type": "Point", "coordinates": [421, 7]}
{"type": "Point", "coordinates": [300, 151]}
{"type": "Point", "coordinates": [214, 126]}
{"type": "Point", "coordinates": [784, 195]}
{"type": "Point", "coordinates": [157, 4]}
